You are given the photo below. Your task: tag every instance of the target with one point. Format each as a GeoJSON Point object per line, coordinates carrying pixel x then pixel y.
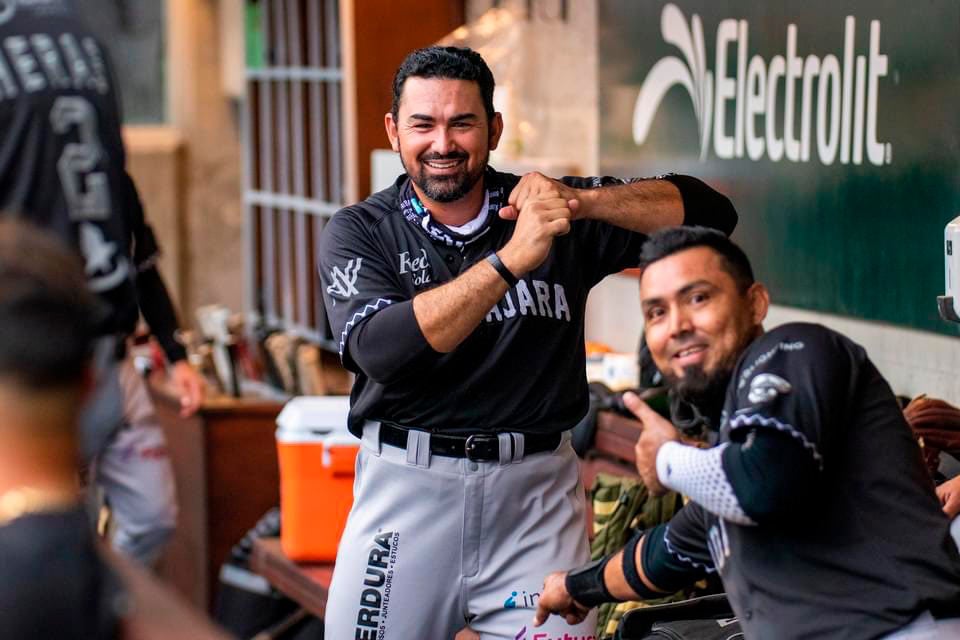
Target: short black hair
{"type": "Point", "coordinates": [48, 316]}
{"type": "Point", "coordinates": [667, 242]}
{"type": "Point", "coordinates": [452, 63]}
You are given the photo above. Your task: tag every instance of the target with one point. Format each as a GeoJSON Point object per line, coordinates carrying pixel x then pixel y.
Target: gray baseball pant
{"type": "Point", "coordinates": [134, 472]}
{"type": "Point", "coordinates": [435, 543]}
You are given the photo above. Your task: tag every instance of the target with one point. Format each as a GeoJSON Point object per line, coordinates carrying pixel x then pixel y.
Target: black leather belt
{"type": "Point", "coordinates": [479, 447]}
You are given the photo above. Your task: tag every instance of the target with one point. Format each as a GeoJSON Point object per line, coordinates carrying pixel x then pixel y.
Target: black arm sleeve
{"type": "Point", "coordinates": [158, 311]}
{"type": "Point", "coordinates": [608, 249]}
{"type": "Point", "coordinates": [152, 294]}
{"type": "Point", "coordinates": [704, 206]}
{"type": "Point", "coordinates": [675, 554]}
{"type": "Point", "coordinates": [146, 251]}
{"type": "Point", "coordinates": [389, 345]}
{"type": "Point", "coordinates": [772, 475]}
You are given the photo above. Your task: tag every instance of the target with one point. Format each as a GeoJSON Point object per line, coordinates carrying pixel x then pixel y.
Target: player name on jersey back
{"type": "Point", "coordinates": [38, 62]}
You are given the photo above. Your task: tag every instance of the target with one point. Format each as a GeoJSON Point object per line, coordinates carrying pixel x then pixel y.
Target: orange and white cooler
{"type": "Point", "coordinates": [317, 455]}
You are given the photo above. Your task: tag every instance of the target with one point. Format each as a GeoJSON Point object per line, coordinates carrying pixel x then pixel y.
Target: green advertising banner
{"type": "Point", "coordinates": [253, 29]}
{"type": "Point", "coordinates": [833, 126]}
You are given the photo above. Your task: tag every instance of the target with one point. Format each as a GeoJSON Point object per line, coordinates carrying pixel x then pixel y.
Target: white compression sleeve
{"type": "Point", "coordinates": [698, 474]}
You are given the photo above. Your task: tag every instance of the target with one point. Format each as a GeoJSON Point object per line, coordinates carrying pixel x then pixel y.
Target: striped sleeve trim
{"type": "Point", "coordinates": [756, 420]}
{"type": "Point", "coordinates": [709, 568]}
{"type": "Point", "coordinates": [368, 310]}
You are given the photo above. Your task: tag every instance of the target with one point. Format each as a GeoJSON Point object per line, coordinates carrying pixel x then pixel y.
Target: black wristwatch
{"type": "Point", "coordinates": [585, 584]}
{"type": "Point", "coordinates": [502, 269]}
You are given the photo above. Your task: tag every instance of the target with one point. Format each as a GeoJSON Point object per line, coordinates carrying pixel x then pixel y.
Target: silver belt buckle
{"type": "Point", "coordinates": [473, 443]}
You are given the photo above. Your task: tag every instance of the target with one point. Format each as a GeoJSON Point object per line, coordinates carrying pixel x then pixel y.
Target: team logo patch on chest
{"type": "Point", "coordinates": [767, 386]}
{"type": "Point", "coordinates": [417, 265]}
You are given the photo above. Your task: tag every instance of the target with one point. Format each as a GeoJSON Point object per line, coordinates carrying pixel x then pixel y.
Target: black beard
{"type": "Point", "coordinates": [707, 391]}
{"type": "Point", "coordinates": [448, 188]}
{"type": "Point", "coordinates": [701, 389]}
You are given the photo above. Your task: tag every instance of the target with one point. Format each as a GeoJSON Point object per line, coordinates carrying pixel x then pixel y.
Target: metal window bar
{"type": "Point", "coordinates": [282, 88]}
{"type": "Point", "coordinates": [293, 162]}
{"type": "Point", "coordinates": [301, 269]}
{"type": "Point", "coordinates": [333, 99]}
{"type": "Point", "coordinates": [267, 301]}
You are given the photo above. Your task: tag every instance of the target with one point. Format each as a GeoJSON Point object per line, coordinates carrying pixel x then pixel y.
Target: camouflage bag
{"type": "Point", "coordinates": [620, 506]}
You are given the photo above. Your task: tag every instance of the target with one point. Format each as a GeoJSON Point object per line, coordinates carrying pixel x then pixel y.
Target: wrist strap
{"type": "Point", "coordinates": [586, 584]}
{"type": "Point", "coordinates": [501, 268]}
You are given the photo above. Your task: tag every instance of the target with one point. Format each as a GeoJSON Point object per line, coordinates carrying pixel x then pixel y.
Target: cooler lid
{"type": "Point", "coordinates": [306, 416]}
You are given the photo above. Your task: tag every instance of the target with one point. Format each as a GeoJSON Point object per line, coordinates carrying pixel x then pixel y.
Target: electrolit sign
{"type": "Point", "coordinates": [832, 126]}
{"type": "Point", "coordinates": [839, 125]}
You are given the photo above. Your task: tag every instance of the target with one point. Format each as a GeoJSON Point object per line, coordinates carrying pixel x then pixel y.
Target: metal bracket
{"type": "Point", "coordinates": [946, 308]}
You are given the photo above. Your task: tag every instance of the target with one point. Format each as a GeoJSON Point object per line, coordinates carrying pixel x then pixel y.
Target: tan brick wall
{"type": "Point", "coordinates": [189, 172]}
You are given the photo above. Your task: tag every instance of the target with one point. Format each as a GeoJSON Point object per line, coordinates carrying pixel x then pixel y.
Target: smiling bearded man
{"type": "Point", "coordinates": [458, 296]}
{"type": "Point", "coordinates": [814, 507]}
{"type": "Point", "coordinates": [451, 175]}
{"type": "Point", "coordinates": [698, 357]}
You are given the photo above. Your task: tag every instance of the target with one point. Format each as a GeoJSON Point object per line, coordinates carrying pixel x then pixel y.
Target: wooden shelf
{"type": "Point", "coordinates": [225, 464]}
{"type": "Point", "coordinates": [307, 584]}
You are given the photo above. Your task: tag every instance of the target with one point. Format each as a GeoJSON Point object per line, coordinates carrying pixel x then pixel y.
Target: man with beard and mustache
{"type": "Point", "coordinates": [814, 506]}
{"type": "Point", "coordinates": [457, 296]}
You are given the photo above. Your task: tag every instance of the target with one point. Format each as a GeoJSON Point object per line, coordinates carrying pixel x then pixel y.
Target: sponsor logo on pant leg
{"type": "Point", "coordinates": [377, 585]}
{"type": "Point", "coordinates": [521, 600]}
{"type": "Point", "coordinates": [154, 452]}
{"type": "Point", "coordinates": [533, 634]}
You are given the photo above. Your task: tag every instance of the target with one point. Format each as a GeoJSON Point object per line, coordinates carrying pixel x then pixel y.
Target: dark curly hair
{"type": "Point", "coordinates": [453, 63]}
{"type": "Point", "coordinates": [676, 239]}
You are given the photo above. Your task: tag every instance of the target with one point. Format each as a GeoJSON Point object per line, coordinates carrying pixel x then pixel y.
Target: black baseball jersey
{"type": "Point", "coordinates": [55, 584]}
{"type": "Point", "coordinates": [61, 153]}
{"type": "Point", "coordinates": [875, 550]}
{"type": "Point", "coordinates": [522, 369]}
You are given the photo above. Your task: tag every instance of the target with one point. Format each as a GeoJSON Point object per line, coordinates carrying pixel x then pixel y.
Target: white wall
{"type": "Point", "coordinates": [613, 313]}
{"type": "Point", "coordinates": [546, 73]}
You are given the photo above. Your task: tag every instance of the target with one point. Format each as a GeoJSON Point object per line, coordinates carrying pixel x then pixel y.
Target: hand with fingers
{"type": "Point", "coordinates": [543, 210]}
{"type": "Point", "coordinates": [657, 430]}
{"type": "Point", "coordinates": [189, 385]}
{"type": "Point", "coordinates": [555, 599]}
{"type": "Point", "coordinates": [949, 494]}
{"type": "Point", "coordinates": [536, 186]}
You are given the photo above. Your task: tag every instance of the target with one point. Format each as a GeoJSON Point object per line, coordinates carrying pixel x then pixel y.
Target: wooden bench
{"type": "Point", "coordinates": [305, 583]}
{"type": "Point", "coordinates": [308, 583]}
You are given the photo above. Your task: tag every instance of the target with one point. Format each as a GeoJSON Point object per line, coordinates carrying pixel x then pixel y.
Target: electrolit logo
{"type": "Point", "coordinates": [840, 123]}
